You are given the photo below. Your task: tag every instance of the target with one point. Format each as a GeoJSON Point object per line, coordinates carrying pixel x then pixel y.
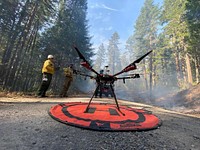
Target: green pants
{"type": "Point", "coordinates": [66, 86]}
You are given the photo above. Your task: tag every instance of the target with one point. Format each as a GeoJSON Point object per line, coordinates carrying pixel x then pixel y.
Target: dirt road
{"type": "Point", "coordinates": [26, 125]}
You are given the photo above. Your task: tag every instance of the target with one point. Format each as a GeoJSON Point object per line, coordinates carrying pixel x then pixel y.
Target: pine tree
{"type": "Point", "coordinates": [192, 18]}
{"type": "Point", "coordinates": [114, 53]}
{"type": "Point", "coordinates": [32, 30]}
{"type": "Point", "coordinates": [144, 39]}
{"type": "Point", "coordinates": [177, 30]}
{"type": "Point", "coordinates": [70, 28]}
{"type": "Point", "coordinates": [100, 57]}
{"type": "Point", "coordinates": [23, 21]}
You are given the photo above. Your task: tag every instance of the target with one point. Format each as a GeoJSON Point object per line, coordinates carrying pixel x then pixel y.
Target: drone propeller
{"type": "Point", "coordinates": [132, 66]}
{"type": "Point", "coordinates": [139, 59]}
{"type": "Point", "coordinates": [85, 63]}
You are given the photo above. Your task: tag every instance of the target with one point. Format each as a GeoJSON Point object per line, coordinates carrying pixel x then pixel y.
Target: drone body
{"type": "Point", "coordinates": [108, 79]}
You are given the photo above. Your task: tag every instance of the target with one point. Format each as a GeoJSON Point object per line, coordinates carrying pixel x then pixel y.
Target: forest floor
{"type": "Point", "coordinates": [186, 101]}
{"type": "Point", "coordinates": [25, 124]}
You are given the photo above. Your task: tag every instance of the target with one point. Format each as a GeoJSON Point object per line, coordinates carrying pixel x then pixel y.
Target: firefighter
{"type": "Point", "coordinates": [68, 72]}
{"type": "Point", "coordinates": [47, 73]}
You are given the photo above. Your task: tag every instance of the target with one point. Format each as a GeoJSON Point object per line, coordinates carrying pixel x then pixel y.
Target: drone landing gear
{"type": "Point", "coordinates": [113, 93]}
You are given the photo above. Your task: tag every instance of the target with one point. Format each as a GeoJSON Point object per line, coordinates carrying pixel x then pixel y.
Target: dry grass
{"type": "Point", "coordinates": [14, 94]}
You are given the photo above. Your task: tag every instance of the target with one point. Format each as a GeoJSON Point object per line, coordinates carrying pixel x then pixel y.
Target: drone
{"type": "Point", "coordinates": [107, 79]}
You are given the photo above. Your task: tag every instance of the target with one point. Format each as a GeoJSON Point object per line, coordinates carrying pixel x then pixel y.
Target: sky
{"type": "Point", "coordinates": [108, 16]}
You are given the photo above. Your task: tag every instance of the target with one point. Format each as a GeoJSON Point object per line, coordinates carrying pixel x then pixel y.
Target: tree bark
{"type": "Point", "coordinates": [178, 69]}
{"type": "Point", "coordinates": [145, 76]}
{"type": "Point", "coordinates": [189, 70]}
{"type": "Point", "coordinates": [197, 66]}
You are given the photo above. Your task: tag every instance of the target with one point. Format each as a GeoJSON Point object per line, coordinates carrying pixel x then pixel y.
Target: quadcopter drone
{"type": "Point", "coordinates": [106, 79]}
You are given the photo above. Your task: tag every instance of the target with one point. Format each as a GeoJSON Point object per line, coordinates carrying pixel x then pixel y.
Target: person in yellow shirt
{"type": "Point", "coordinates": [68, 72]}
{"type": "Point", "coordinates": [48, 70]}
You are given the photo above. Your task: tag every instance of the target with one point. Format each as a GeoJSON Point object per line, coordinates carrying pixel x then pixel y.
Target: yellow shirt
{"type": "Point", "coordinates": [48, 67]}
{"type": "Point", "coordinates": [68, 72]}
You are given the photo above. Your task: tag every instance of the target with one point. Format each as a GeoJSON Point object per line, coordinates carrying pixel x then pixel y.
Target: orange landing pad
{"type": "Point", "coordinates": [105, 117]}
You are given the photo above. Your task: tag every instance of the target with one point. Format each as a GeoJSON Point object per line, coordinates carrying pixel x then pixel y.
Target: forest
{"type": "Point", "coordinates": [32, 29]}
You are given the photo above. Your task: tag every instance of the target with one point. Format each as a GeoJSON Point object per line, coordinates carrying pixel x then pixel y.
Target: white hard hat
{"type": "Point", "coordinates": [50, 56]}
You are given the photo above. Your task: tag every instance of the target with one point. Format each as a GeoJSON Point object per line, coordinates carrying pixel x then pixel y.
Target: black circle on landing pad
{"type": "Point", "coordinates": [105, 117]}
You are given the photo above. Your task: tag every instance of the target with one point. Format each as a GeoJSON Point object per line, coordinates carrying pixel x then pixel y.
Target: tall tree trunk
{"type": "Point", "coordinates": [154, 76]}
{"type": "Point", "coordinates": [197, 67]}
{"type": "Point", "coordinates": [145, 76]}
{"type": "Point", "coordinates": [14, 33]}
{"type": "Point", "coordinates": [17, 56]}
{"type": "Point", "coordinates": [10, 54]}
{"type": "Point", "coordinates": [189, 70]}
{"type": "Point", "coordinates": [32, 47]}
{"type": "Point", "coordinates": [184, 76]}
{"type": "Point", "coordinates": [178, 69]}
{"type": "Point", "coordinates": [14, 61]}
{"type": "Point", "coordinates": [150, 74]}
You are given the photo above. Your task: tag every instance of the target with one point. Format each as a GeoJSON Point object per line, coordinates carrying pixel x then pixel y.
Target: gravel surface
{"type": "Point", "coordinates": [26, 125]}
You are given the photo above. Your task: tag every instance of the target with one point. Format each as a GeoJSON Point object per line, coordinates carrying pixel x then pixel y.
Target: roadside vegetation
{"type": "Point", "coordinates": [32, 30]}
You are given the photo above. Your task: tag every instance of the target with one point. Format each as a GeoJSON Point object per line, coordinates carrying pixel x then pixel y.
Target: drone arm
{"type": "Point", "coordinates": [139, 59]}
{"type": "Point", "coordinates": [128, 77]}
{"type": "Point", "coordinates": [127, 69]}
{"type": "Point", "coordinates": [132, 66]}
{"type": "Point", "coordinates": [85, 63]}
{"type": "Point", "coordinates": [82, 74]}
